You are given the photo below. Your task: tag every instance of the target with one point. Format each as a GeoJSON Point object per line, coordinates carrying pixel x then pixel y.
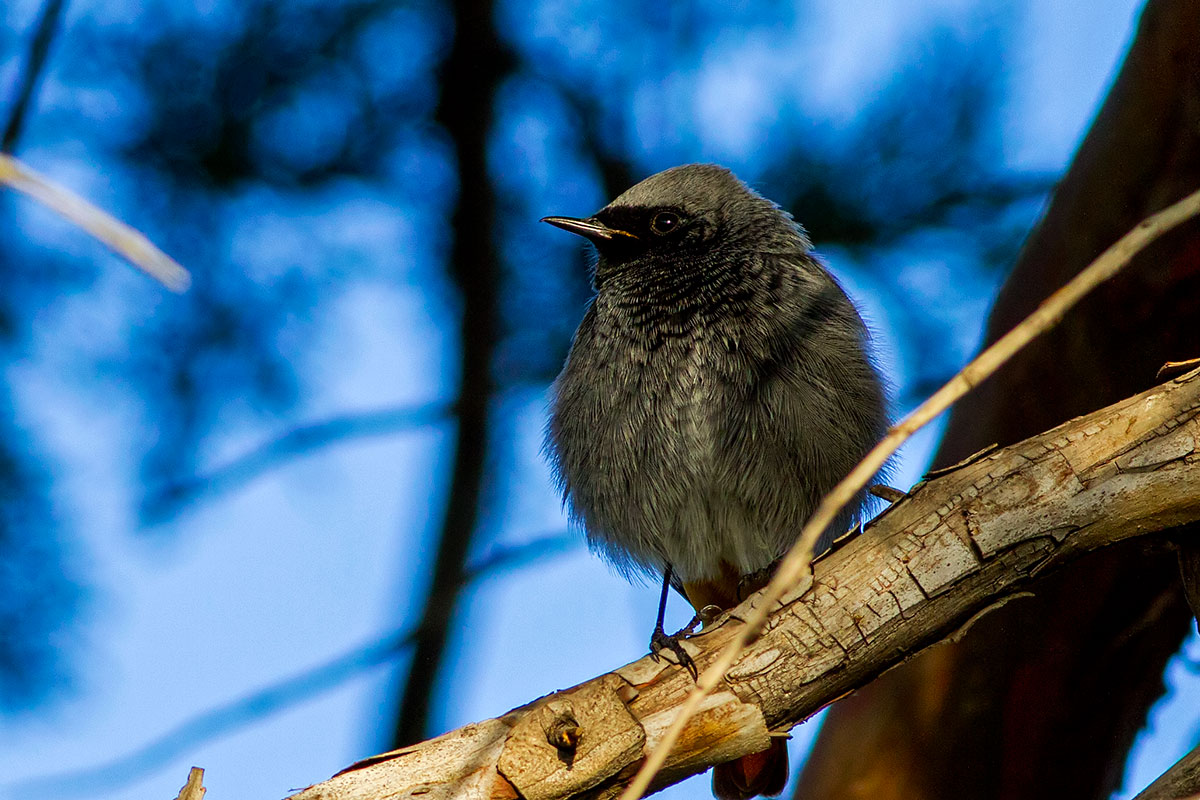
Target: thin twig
{"type": "Point", "coordinates": [797, 561]}
{"type": "Point", "coordinates": [121, 238]}
{"type": "Point", "coordinates": [35, 59]}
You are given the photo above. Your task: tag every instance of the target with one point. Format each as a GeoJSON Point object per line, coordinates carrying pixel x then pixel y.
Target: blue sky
{"type": "Point", "coordinates": [304, 563]}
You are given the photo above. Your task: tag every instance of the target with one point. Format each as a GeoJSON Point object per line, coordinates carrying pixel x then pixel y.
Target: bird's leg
{"type": "Point", "coordinates": [660, 640]}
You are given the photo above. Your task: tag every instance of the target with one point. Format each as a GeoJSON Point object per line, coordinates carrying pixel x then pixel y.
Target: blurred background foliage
{"type": "Point", "coordinates": [298, 155]}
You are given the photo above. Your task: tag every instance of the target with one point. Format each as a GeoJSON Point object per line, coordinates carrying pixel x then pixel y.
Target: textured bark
{"type": "Point", "coordinates": [937, 561]}
{"type": "Point", "coordinates": [1012, 710]}
{"type": "Point", "coordinates": [194, 788]}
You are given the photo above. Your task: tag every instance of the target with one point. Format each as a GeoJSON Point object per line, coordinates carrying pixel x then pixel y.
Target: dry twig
{"type": "Point", "coordinates": [121, 238]}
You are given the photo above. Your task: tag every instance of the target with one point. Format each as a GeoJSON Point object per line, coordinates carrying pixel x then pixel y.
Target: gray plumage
{"type": "Point", "coordinates": [717, 386]}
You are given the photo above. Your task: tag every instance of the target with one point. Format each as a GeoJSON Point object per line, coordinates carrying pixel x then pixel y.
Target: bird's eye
{"type": "Point", "coordinates": [664, 222]}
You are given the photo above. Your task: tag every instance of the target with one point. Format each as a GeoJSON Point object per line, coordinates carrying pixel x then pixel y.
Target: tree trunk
{"type": "Point", "coordinates": [1044, 697]}
{"type": "Point", "coordinates": [475, 67]}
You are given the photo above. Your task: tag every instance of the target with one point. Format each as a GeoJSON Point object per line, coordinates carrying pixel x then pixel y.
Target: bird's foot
{"type": "Point", "coordinates": [661, 641]}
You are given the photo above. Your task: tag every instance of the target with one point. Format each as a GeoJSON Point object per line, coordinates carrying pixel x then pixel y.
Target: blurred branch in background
{"type": "Point", "coordinates": [36, 591]}
{"type": "Point", "coordinates": [475, 66]}
{"type": "Point", "coordinates": [31, 72]}
{"type": "Point", "coordinates": [1000, 715]}
{"type": "Point", "coordinates": [271, 101]}
{"type": "Point", "coordinates": [215, 723]}
{"type": "Point", "coordinates": [170, 498]}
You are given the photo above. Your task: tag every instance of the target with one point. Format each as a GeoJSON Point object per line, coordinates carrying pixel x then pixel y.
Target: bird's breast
{"type": "Point", "coordinates": [653, 402]}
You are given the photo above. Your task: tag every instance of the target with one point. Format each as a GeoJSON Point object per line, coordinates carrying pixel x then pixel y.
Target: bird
{"type": "Point", "coordinates": [719, 384]}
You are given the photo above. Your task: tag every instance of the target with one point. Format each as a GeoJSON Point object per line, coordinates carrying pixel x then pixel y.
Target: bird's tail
{"type": "Point", "coordinates": [752, 775]}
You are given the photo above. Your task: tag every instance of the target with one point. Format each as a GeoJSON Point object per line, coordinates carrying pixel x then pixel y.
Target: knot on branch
{"type": "Point", "coordinates": [563, 733]}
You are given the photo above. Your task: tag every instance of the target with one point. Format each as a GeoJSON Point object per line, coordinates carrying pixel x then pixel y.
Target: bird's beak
{"type": "Point", "coordinates": [587, 228]}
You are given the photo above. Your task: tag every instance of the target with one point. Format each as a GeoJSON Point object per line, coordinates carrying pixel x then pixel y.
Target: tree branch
{"type": "Point", "coordinates": [119, 237]}
{"type": "Point", "coordinates": [194, 788]}
{"type": "Point", "coordinates": [929, 565]}
{"type": "Point", "coordinates": [35, 60]}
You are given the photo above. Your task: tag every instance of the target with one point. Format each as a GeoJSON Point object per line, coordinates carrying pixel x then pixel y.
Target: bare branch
{"type": "Point", "coordinates": [122, 239]}
{"type": "Point", "coordinates": [475, 66]}
{"type": "Point", "coordinates": [35, 60]}
{"type": "Point", "coordinates": [952, 548]}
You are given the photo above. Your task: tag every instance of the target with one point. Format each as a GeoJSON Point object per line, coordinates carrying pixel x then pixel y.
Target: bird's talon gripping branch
{"type": "Point", "coordinates": [661, 641]}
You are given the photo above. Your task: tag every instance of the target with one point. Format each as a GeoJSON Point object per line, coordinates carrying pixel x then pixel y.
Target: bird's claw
{"type": "Point", "coordinates": [660, 640]}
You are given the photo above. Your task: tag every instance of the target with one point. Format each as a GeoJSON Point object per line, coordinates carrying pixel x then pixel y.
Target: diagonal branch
{"type": "Point", "coordinates": [35, 60]}
{"type": "Point", "coordinates": [931, 564]}
{"type": "Point", "coordinates": [125, 241]}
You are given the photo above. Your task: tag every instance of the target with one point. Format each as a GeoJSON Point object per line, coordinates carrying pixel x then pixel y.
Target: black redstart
{"type": "Point", "coordinates": [717, 387]}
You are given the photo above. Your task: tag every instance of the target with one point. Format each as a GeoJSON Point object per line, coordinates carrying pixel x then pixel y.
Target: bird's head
{"type": "Point", "coordinates": [692, 218]}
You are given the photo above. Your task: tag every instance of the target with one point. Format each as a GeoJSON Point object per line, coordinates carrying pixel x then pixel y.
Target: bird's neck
{"type": "Point", "coordinates": [695, 297]}
{"type": "Point", "coordinates": [676, 288]}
